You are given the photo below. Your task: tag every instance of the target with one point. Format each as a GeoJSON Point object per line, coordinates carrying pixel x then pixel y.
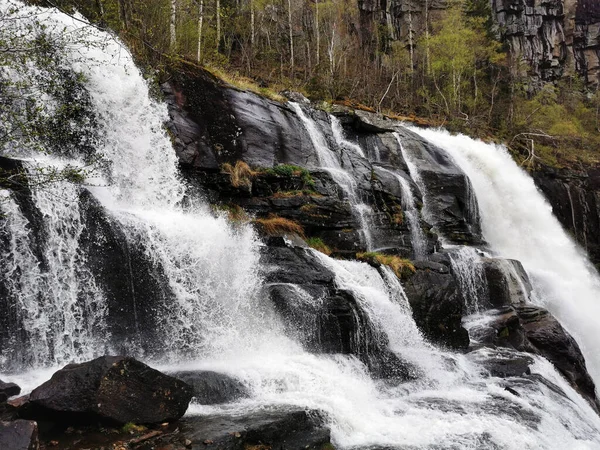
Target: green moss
{"type": "Point", "coordinates": [289, 170]}
{"type": "Point", "coordinates": [319, 245]}
{"type": "Point", "coordinates": [132, 428]}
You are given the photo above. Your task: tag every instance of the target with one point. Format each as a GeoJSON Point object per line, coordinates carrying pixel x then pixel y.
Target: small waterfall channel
{"type": "Point", "coordinates": [329, 161]}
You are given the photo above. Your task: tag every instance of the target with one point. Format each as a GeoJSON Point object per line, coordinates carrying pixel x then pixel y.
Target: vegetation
{"type": "Point", "coordinates": [235, 213]}
{"type": "Point", "coordinates": [275, 225]}
{"type": "Point", "coordinates": [319, 245]}
{"type": "Point", "coordinates": [296, 193]}
{"type": "Point", "coordinates": [132, 428]}
{"type": "Point", "coordinates": [289, 170]}
{"type": "Point", "coordinates": [240, 174]}
{"type": "Point", "coordinates": [448, 68]}
{"type": "Point", "coordinates": [401, 267]}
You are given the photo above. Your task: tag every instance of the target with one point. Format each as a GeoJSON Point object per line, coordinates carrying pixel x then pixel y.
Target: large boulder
{"type": "Point", "coordinates": [112, 389]}
{"type": "Point", "coordinates": [437, 304]}
{"type": "Point", "coordinates": [19, 435]}
{"type": "Point", "coordinates": [212, 388]}
{"type": "Point", "coordinates": [8, 390]}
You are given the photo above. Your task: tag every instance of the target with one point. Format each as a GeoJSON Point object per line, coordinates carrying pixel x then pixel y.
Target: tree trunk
{"type": "Point", "coordinates": [218, 13]}
{"type": "Point", "coordinates": [318, 33]}
{"type": "Point", "coordinates": [173, 27]}
{"type": "Point", "coordinates": [200, 23]}
{"type": "Point", "coordinates": [291, 37]}
{"type": "Point", "coordinates": [252, 26]}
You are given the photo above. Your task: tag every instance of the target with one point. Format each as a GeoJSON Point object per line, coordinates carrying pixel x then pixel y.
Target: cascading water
{"type": "Point", "coordinates": [329, 162]}
{"type": "Point", "coordinates": [518, 223]}
{"type": "Point", "coordinates": [338, 134]}
{"type": "Point", "coordinates": [214, 319]}
{"type": "Point", "coordinates": [409, 206]}
{"type": "Point", "coordinates": [468, 269]}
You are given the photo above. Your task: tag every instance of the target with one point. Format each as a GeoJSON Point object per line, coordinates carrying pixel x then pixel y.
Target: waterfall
{"type": "Point", "coordinates": [329, 162]}
{"type": "Point", "coordinates": [338, 134]}
{"type": "Point", "coordinates": [518, 223]}
{"type": "Point", "coordinates": [409, 206]}
{"type": "Point", "coordinates": [468, 269]}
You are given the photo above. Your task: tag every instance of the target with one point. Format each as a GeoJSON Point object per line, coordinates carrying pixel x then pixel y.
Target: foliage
{"type": "Point", "coordinates": [275, 225]}
{"type": "Point", "coordinates": [289, 170]}
{"type": "Point", "coordinates": [45, 107]}
{"type": "Point", "coordinates": [132, 428]}
{"type": "Point", "coordinates": [235, 213]}
{"type": "Point", "coordinates": [319, 245]}
{"type": "Point", "coordinates": [401, 267]}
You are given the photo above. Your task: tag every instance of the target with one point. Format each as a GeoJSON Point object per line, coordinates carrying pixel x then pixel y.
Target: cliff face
{"type": "Point", "coordinates": [553, 37]}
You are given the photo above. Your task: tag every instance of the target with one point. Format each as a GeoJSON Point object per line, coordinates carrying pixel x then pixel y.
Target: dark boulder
{"type": "Point", "coordinates": [112, 389]}
{"type": "Point", "coordinates": [553, 342]}
{"type": "Point", "coordinates": [437, 305]}
{"type": "Point", "coordinates": [8, 390]}
{"type": "Point", "coordinates": [19, 435]}
{"type": "Point", "coordinates": [211, 388]}
{"type": "Point", "coordinates": [274, 430]}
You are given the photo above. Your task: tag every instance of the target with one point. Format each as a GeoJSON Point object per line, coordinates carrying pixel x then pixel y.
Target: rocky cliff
{"type": "Point", "coordinates": [553, 37]}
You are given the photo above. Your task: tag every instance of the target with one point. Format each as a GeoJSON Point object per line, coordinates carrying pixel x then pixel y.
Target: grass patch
{"type": "Point", "coordinates": [235, 213]}
{"type": "Point", "coordinates": [401, 267]}
{"type": "Point", "coordinates": [246, 84]}
{"type": "Point", "coordinates": [289, 170]}
{"type": "Point", "coordinates": [275, 225]}
{"type": "Point", "coordinates": [240, 174]}
{"type": "Point", "coordinates": [319, 245]}
{"type": "Point", "coordinates": [297, 193]}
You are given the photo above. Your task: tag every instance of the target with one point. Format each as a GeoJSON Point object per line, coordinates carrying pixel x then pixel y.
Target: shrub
{"type": "Point", "coordinates": [289, 170]}
{"type": "Point", "coordinates": [401, 267]}
{"type": "Point", "coordinates": [319, 245]}
{"type": "Point", "coordinates": [240, 174]}
{"type": "Point", "coordinates": [275, 225]}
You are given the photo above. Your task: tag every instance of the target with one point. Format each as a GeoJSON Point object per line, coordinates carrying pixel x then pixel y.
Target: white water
{"type": "Point", "coordinates": [468, 269]}
{"type": "Point", "coordinates": [329, 161]}
{"type": "Point", "coordinates": [518, 223]}
{"type": "Point", "coordinates": [409, 206]}
{"type": "Point", "coordinates": [218, 322]}
{"type": "Point", "coordinates": [338, 135]}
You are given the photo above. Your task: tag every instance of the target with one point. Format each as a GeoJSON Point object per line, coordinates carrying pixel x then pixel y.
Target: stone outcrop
{"type": "Point", "coordinates": [8, 390]}
{"type": "Point", "coordinates": [112, 389]}
{"type": "Point", "coordinates": [575, 198]}
{"type": "Point", "coordinates": [212, 388]}
{"type": "Point", "coordinates": [553, 37]}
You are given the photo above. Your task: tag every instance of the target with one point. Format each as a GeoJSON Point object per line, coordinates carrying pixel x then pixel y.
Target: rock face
{"type": "Point", "coordinates": [113, 389]}
{"type": "Point", "coordinates": [19, 435]}
{"type": "Point", "coordinates": [210, 388]}
{"type": "Point", "coordinates": [553, 37]}
{"type": "Point", "coordinates": [575, 199]}
{"type": "Point", "coordinates": [8, 390]}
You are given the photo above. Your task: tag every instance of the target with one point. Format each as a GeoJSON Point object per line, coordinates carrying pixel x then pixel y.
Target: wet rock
{"type": "Point", "coordinates": [507, 282]}
{"type": "Point", "coordinates": [275, 430]}
{"type": "Point", "coordinates": [211, 388]}
{"type": "Point", "coordinates": [449, 200]}
{"type": "Point", "coordinates": [112, 389]}
{"type": "Point", "coordinates": [8, 390]}
{"type": "Point", "coordinates": [551, 341]}
{"type": "Point", "coordinates": [294, 265]}
{"type": "Point", "coordinates": [19, 435]}
{"type": "Point", "coordinates": [437, 307]}
{"type": "Point", "coordinates": [575, 199]}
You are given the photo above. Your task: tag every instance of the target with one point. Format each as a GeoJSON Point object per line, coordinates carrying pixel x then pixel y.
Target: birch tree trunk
{"type": "Point", "coordinates": [173, 28]}
{"type": "Point", "coordinates": [200, 23]}
{"type": "Point", "coordinates": [291, 37]}
{"type": "Point", "coordinates": [218, 13]}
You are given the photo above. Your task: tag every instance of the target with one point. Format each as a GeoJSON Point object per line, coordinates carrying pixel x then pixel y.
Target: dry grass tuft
{"type": "Point", "coordinates": [275, 225]}
{"type": "Point", "coordinates": [240, 174]}
{"type": "Point", "coordinates": [401, 267]}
